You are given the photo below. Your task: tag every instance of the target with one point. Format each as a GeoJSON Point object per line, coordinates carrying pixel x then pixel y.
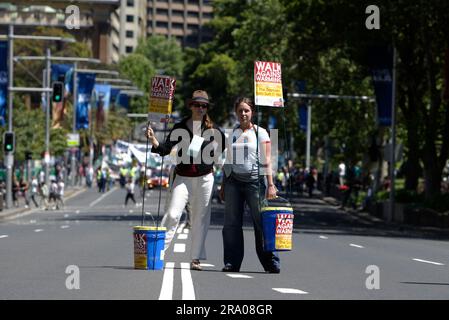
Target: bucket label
{"type": "Point", "coordinates": [284, 230]}
{"type": "Point", "coordinates": [140, 251]}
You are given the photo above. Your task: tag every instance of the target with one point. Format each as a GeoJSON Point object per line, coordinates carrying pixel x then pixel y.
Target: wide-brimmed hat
{"type": "Point", "coordinates": [200, 96]}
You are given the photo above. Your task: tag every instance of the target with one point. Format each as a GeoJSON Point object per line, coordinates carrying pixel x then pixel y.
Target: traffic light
{"type": "Point", "coordinates": [58, 91]}
{"type": "Point", "coordinates": [9, 141]}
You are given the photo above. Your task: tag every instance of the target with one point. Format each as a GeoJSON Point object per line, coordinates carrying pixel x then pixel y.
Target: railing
{"type": "Point", "coordinates": [42, 19]}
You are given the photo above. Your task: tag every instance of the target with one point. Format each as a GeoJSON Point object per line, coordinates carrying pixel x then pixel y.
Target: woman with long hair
{"type": "Point", "coordinates": [199, 141]}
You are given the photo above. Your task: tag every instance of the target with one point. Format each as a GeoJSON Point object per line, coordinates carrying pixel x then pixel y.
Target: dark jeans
{"type": "Point", "coordinates": [236, 194]}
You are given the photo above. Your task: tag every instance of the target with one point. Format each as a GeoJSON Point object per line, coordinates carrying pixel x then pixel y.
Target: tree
{"type": "Point", "coordinates": [419, 31]}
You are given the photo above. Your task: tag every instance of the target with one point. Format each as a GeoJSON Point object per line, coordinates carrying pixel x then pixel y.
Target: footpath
{"type": "Point", "coordinates": [23, 210]}
{"type": "Point", "coordinates": [361, 218]}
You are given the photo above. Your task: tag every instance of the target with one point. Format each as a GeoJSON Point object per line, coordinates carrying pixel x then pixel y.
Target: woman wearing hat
{"type": "Point", "coordinates": [199, 141]}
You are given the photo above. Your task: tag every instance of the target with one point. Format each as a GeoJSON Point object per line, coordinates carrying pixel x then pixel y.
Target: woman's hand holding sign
{"type": "Point", "coordinates": [151, 137]}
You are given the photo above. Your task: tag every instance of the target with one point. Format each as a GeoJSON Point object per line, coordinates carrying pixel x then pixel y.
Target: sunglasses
{"type": "Point", "coordinates": [198, 105]}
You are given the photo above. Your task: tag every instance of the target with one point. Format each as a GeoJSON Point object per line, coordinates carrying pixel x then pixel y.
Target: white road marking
{"type": "Point", "coordinates": [77, 211]}
{"type": "Point", "coordinates": [238, 276]}
{"type": "Point", "coordinates": [188, 291]}
{"type": "Point", "coordinates": [356, 246]}
{"type": "Point", "coordinates": [289, 290]}
{"type": "Point", "coordinates": [186, 231]}
{"type": "Point", "coordinates": [66, 216]}
{"type": "Point", "coordinates": [431, 262]}
{"type": "Point", "coordinates": [3, 236]}
{"type": "Point", "coordinates": [167, 282]}
{"type": "Point", "coordinates": [182, 236]}
{"type": "Point", "coordinates": [65, 227]}
{"type": "Point", "coordinates": [38, 230]}
{"type": "Point", "coordinates": [181, 228]}
{"type": "Point", "coordinates": [179, 247]}
{"type": "Point", "coordinates": [131, 211]}
{"type": "Point", "coordinates": [323, 237]}
{"type": "Point", "coordinates": [207, 265]}
{"type": "Point", "coordinates": [32, 221]}
{"type": "Point", "coordinates": [102, 197]}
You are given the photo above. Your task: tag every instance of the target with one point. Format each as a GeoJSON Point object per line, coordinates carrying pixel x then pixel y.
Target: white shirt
{"type": "Point", "coordinates": [242, 152]}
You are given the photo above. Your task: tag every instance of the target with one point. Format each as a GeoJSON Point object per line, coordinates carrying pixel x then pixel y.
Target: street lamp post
{"type": "Point", "coordinates": [75, 98]}
{"type": "Point", "coordinates": [10, 155]}
{"type": "Point", "coordinates": [309, 111]}
{"type": "Point", "coordinates": [47, 119]}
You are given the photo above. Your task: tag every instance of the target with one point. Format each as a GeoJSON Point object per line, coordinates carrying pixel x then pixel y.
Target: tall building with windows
{"type": "Point", "coordinates": [128, 26]}
{"type": "Point", "coordinates": [180, 19]}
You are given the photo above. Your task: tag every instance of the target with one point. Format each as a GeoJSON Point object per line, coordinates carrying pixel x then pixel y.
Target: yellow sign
{"type": "Point", "coordinates": [161, 98]}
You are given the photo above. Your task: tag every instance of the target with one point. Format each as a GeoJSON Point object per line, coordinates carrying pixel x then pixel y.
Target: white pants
{"type": "Point", "coordinates": [198, 191]}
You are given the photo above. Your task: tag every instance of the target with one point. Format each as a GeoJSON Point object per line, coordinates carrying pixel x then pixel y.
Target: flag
{"type": "Point", "coordinates": [59, 72]}
{"type": "Point", "coordinates": [103, 97]}
{"type": "Point", "coordinates": [381, 63]}
{"type": "Point", "coordinates": [3, 81]}
{"type": "Point", "coordinates": [85, 84]}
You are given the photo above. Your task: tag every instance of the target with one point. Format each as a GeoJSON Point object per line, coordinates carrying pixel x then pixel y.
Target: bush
{"type": "Point", "coordinates": [439, 202]}
{"type": "Point", "coordinates": [407, 196]}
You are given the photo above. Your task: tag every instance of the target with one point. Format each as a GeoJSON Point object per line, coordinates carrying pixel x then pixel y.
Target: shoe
{"type": "Point", "coordinates": [195, 265]}
{"type": "Point", "coordinates": [229, 268]}
{"type": "Point", "coordinates": [273, 270]}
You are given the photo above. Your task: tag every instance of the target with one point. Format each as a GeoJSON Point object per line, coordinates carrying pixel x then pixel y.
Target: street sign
{"type": "Point", "coordinates": [73, 140]}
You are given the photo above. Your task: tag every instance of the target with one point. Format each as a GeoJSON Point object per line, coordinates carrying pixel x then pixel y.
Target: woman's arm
{"type": "Point", "coordinates": [271, 189]}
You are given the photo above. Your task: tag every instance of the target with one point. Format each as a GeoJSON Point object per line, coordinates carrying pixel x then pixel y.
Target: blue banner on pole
{"type": "Point", "coordinates": [272, 121]}
{"type": "Point", "coordinates": [381, 63]}
{"type": "Point", "coordinates": [123, 100]}
{"type": "Point", "coordinates": [3, 81]}
{"type": "Point", "coordinates": [114, 95]}
{"type": "Point", "coordinates": [85, 85]}
{"type": "Point", "coordinates": [302, 117]}
{"type": "Point", "coordinates": [60, 72]}
{"type": "Point", "coordinates": [103, 97]}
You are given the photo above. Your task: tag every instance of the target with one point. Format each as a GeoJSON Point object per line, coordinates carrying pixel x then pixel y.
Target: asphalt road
{"type": "Point", "coordinates": [335, 256]}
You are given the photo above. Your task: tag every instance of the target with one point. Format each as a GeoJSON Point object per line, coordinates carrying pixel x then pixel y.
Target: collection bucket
{"type": "Point", "coordinates": [277, 223]}
{"type": "Point", "coordinates": [149, 247]}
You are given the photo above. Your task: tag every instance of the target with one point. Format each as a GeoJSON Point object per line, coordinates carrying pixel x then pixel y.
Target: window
{"type": "Point", "coordinates": [177, 13]}
{"type": "Point", "coordinates": [161, 24]}
{"type": "Point", "coordinates": [129, 49]}
{"type": "Point", "coordinates": [163, 12]}
{"type": "Point", "coordinates": [129, 18]}
{"type": "Point", "coordinates": [207, 15]}
{"type": "Point", "coordinates": [193, 1]}
{"type": "Point", "coordinates": [177, 25]}
{"type": "Point", "coordinates": [129, 34]}
{"type": "Point", "coordinates": [130, 3]}
{"type": "Point", "coordinates": [193, 14]}
{"type": "Point", "coordinates": [193, 27]}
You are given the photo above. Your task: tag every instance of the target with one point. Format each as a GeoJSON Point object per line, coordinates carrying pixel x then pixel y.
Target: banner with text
{"type": "Point", "coordinates": [268, 84]}
{"type": "Point", "coordinates": [381, 63]}
{"type": "Point", "coordinates": [161, 98]}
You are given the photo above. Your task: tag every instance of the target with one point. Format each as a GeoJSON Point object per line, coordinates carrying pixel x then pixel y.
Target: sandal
{"type": "Point", "coordinates": [195, 265]}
